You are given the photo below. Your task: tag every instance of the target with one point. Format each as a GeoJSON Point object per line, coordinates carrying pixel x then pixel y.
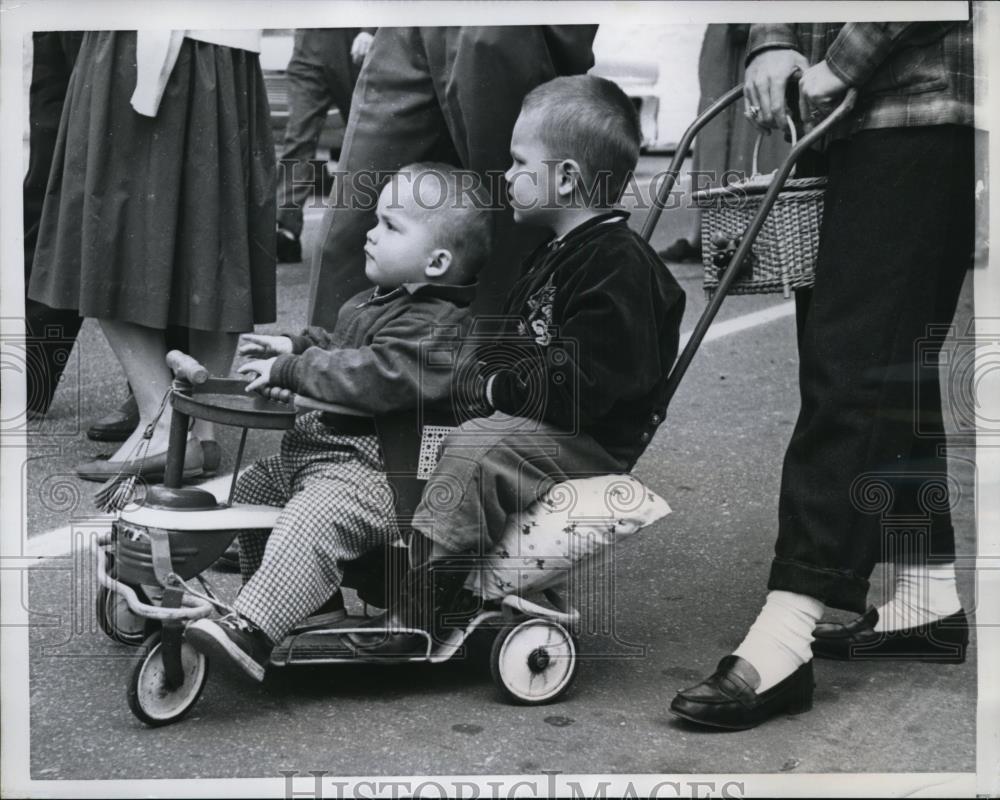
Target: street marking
{"type": "Point", "coordinates": [744, 322]}
{"type": "Point", "coordinates": [56, 543]}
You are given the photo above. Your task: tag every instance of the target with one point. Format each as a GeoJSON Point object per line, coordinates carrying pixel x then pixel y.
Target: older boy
{"type": "Point", "coordinates": [430, 241]}
{"type": "Point", "coordinates": [575, 381]}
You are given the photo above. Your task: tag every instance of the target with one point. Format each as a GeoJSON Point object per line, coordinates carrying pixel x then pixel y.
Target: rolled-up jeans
{"type": "Point", "coordinates": [868, 449]}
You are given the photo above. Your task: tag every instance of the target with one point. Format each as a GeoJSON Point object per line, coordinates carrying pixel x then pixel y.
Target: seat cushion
{"type": "Point", "coordinates": [577, 520]}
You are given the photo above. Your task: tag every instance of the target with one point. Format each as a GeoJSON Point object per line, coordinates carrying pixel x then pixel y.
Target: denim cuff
{"type": "Point", "coordinates": [834, 588]}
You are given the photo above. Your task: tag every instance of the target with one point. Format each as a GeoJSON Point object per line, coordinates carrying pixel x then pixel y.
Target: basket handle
{"type": "Point", "coordinates": [705, 320]}
{"type": "Point", "coordinates": [792, 130]}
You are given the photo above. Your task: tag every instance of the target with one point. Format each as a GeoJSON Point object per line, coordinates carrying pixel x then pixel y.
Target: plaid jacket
{"type": "Point", "coordinates": [908, 74]}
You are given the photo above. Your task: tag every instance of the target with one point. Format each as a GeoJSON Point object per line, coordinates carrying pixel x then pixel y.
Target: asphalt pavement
{"type": "Point", "coordinates": [678, 596]}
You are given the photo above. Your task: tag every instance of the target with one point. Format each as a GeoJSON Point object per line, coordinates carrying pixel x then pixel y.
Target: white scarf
{"type": "Point", "coordinates": [156, 53]}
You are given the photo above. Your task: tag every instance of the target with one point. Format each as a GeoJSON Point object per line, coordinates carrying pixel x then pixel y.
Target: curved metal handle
{"type": "Point", "coordinates": [674, 170]}
{"type": "Point", "coordinates": [732, 272]}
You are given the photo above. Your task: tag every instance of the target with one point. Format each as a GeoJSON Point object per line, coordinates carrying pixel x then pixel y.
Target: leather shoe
{"type": "Point", "coordinates": [728, 699]}
{"type": "Point", "coordinates": [943, 641]}
{"type": "Point", "coordinates": [151, 468]}
{"type": "Point", "coordinates": [118, 425]}
{"type": "Point", "coordinates": [288, 246]}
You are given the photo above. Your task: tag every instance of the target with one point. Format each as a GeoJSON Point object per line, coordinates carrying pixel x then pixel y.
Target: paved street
{"type": "Point", "coordinates": [682, 594]}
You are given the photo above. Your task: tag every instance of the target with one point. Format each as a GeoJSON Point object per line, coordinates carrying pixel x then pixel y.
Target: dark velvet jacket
{"type": "Point", "coordinates": [590, 332]}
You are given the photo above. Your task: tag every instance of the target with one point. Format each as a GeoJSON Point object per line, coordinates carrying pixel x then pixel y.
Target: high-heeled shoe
{"type": "Point", "coordinates": [151, 468]}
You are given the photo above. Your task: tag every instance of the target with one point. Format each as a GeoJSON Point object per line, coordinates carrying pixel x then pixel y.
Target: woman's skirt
{"type": "Point", "coordinates": [167, 220]}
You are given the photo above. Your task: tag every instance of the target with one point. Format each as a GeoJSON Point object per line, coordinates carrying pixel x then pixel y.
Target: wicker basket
{"type": "Point", "coordinates": [783, 256]}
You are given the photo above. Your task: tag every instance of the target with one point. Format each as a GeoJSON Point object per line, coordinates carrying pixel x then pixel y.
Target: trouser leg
{"type": "Point", "coordinates": [492, 468]}
{"type": "Point", "coordinates": [893, 254]}
{"type": "Point", "coordinates": [309, 100]}
{"type": "Point", "coordinates": [328, 521]}
{"type": "Point", "coordinates": [395, 120]}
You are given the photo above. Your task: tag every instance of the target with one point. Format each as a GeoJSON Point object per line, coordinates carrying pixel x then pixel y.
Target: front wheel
{"type": "Point", "coordinates": [150, 696]}
{"type": "Point", "coordinates": [533, 662]}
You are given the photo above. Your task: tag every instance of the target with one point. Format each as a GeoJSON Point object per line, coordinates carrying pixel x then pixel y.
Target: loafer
{"type": "Point", "coordinates": [151, 468]}
{"type": "Point", "coordinates": [943, 641]}
{"type": "Point", "coordinates": [728, 699]}
{"type": "Point", "coordinates": [118, 425]}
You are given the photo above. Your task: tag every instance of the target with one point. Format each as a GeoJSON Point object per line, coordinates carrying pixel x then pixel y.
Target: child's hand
{"type": "Point", "coordinates": [262, 369]}
{"type": "Point", "coordinates": [261, 346]}
{"type": "Point", "coordinates": [278, 393]}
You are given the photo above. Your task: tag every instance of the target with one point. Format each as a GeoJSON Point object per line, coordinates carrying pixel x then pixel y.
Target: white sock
{"type": "Point", "coordinates": [778, 642]}
{"type": "Point", "coordinates": [923, 593]}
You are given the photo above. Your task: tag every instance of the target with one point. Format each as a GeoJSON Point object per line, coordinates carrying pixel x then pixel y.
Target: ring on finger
{"type": "Point", "coordinates": [753, 111]}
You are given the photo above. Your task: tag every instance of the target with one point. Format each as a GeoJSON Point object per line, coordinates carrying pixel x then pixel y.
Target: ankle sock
{"type": "Point", "coordinates": [778, 642]}
{"type": "Point", "coordinates": [923, 593]}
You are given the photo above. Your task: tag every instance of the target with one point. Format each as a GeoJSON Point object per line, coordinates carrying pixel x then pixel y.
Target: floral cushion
{"type": "Point", "coordinates": [577, 519]}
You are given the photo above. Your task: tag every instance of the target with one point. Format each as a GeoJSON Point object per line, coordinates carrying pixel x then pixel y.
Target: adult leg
{"type": "Point", "coordinates": [395, 120]}
{"type": "Point", "coordinates": [309, 100]}
{"type": "Point", "coordinates": [51, 332]}
{"type": "Point", "coordinates": [215, 350]}
{"type": "Point", "coordinates": [888, 255]}
{"type": "Point", "coordinates": [895, 270]}
{"type": "Point", "coordinates": [481, 76]}
{"type": "Point", "coordinates": [141, 352]}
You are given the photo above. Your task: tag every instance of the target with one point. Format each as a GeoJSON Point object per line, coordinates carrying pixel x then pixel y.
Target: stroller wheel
{"type": "Point", "coordinates": [117, 620]}
{"type": "Point", "coordinates": [533, 662]}
{"type": "Point", "coordinates": [151, 698]}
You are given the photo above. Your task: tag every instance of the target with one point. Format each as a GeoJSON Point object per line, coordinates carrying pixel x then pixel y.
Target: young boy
{"type": "Point", "coordinates": [430, 240]}
{"type": "Point", "coordinates": [575, 381]}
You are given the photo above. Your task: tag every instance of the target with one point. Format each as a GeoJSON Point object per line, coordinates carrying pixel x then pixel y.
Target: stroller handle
{"type": "Point", "coordinates": [776, 185]}
{"type": "Point", "coordinates": [186, 368]}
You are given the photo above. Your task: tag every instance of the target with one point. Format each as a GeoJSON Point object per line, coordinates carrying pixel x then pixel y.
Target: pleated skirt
{"type": "Point", "coordinates": [167, 220]}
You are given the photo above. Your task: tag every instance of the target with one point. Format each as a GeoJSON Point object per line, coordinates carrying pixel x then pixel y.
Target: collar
{"type": "Point", "coordinates": [585, 227]}
{"type": "Point", "coordinates": [459, 294]}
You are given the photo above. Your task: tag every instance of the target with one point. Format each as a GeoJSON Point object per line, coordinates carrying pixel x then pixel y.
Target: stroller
{"type": "Point", "coordinates": [150, 565]}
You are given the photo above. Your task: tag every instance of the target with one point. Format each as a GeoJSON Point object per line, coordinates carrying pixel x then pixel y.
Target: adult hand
{"type": "Point", "coordinates": [360, 46]}
{"type": "Point", "coordinates": [820, 91]}
{"type": "Point", "coordinates": [256, 344]}
{"type": "Point", "coordinates": [262, 369]}
{"type": "Point", "coordinates": [764, 87]}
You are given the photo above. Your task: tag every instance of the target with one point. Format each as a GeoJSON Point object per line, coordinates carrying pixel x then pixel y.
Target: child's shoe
{"type": "Point", "coordinates": [332, 612]}
{"type": "Point", "coordinates": [232, 641]}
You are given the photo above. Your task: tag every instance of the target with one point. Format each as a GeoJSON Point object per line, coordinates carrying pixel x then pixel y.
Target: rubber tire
{"type": "Point", "coordinates": [511, 695]}
{"type": "Point", "coordinates": [141, 674]}
{"type": "Point", "coordinates": [106, 622]}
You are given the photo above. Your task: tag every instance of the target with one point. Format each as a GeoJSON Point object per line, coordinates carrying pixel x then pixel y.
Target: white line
{"type": "Point", "coordinates": [744, 322]}
{"type": "Point", "coordinates": [57, 543]}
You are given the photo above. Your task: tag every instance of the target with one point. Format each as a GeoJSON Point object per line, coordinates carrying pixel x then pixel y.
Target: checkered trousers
{"type": "Point", "coordinates": [337, 506]}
